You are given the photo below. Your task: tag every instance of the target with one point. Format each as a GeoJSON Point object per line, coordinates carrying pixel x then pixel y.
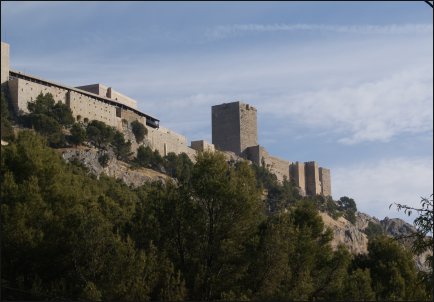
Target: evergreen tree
{"type": "Point", "coordinates": [139, 131]}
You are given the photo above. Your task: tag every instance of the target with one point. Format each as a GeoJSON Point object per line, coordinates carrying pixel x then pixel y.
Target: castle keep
{"type": "Point", "coordinates": [234, 128]}
{"type": "Point", "coordinates": [234, 125]}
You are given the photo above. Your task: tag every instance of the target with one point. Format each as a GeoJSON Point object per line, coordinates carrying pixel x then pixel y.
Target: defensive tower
{"type": "Point", "coordinates": [234, 127]}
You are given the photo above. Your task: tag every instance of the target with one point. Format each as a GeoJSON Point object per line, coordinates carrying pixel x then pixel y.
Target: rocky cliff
{"type": "Point", "coordinates": [88, 156]}
{"type": "Point", "coordinates": [354, 238]}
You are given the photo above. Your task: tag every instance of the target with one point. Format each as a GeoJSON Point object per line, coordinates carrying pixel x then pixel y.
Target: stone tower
{"type": "Point", "coordinates": [313, 186]}
{"type": "Point", "coordinates": [325, 179]}
{"type": "Point", "coordinates": [234, 127]}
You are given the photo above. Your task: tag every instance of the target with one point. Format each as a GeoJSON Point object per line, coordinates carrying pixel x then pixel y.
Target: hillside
{"type": "Point", "coordinates": [84, 218]}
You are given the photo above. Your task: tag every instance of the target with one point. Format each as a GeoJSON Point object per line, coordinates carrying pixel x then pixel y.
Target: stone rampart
{"type": "Point", "coordinates": [277, 166]}
{"type": "Point", "coordinates": [202, 145]}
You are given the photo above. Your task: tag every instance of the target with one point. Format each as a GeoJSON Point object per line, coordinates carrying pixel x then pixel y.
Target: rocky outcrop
{"type": "Point", "coordinates": [344, 232]}
{"type": "Point", "coordinates": [354, 238]}
{"type": "Point", "coordinates": [88, 156]}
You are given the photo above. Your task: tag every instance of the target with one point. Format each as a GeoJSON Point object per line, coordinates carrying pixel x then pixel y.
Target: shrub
{"type": "Point", "coordinates": [139, 131]}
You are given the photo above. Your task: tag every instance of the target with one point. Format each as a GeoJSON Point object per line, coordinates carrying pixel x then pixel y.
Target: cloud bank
{"type": "Point", "coordinates": [374, 185]}
{"type": "Point", "coordinates": [225, 31]}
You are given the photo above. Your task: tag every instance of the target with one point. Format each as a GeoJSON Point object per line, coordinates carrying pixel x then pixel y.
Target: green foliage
{"type": "Point", "coordinates": [279, 195]}
{"type": "Point", "coordinates": [65, 235]}
{"type": "Point", "coordinates": [78, 134]}
{"type": "Point", "coordinates": [121, 148]}
{"type": "Point", "coordinates": [357, 286]}
{"type": "Point", "coordinates": [178, 166]}
{"type": "Point", "coordinates": [373, 230]}
{"type": "Point", "coordinates": [45, 105]}
{"type": "Point", "coordinates": [423, 237]}
{"type": "Point", "coordinates": [148, 158]}
{"type": "Point", "coordinates": [139, 131]}
{"type": "Point", "coordinates": [100, 134]}
{"type": "Point", "coordinates": [348, 205]}
{"type": "Point", "coordinates": [392, 270]}
{"type": "Point", "coordinates": [6, 126]}
{"type": "Point", "coordinates": [103, 159]}
{"type": "Point", "coordinates": [204, 236]}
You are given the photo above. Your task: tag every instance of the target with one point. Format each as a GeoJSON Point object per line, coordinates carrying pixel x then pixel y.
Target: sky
{"type": "Point", "coordinates": [347, 84]}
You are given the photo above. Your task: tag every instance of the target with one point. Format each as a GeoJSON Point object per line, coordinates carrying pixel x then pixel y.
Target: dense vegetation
{"type": "Point", "coordinates": [209, 234]}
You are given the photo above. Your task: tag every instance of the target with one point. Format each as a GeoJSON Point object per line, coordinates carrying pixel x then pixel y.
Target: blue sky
{"type": "Point", "coordinates": [348, 84]}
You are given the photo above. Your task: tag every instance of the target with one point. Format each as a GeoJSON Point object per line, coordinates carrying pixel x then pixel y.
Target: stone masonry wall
{"type": "Point", "coordinates": [325, 179]}
{"type": "Point", "coordinates": [226, 127]}
{"type": "Point", "coordinates": [248, 126]}
{"type": "Point", "coordinates": [85, 107]}
{"type": "Point", "coordinates": [277, 166]}
{"type": "Point", "coordinates": [166, 141]}
{"type": "Point", "coordinates": [297, 172]}
{"type": "Point", "coordinates": [313, 186]}
{"type": "Point", "coordinates": [202, 145]}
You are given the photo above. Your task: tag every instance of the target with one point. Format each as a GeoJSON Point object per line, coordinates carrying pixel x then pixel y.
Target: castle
{"type": "Point", "coordinates": [234, 125]}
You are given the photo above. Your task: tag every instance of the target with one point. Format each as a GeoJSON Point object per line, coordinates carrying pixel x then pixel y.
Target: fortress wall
{"type": "Point", "coordinates": [4, 63]}
{"type": "Point", "coordinates": [131, 116]}
{"type": "Point", "coordinates": [313, 186]}
{"type": "Point", "coordinates": [23, 91]}
{"type": "Point", "coordinates": [277, 166]}
{"type": "Point", "coordinates": [202, 145]}
{"type": "Point", "coordinates": [297, 173]}
{"type": "Point", "coordinates": [92, 109]}
{"type": "Point", "coordinates": [325, 179]}
{"type": "Point", "coordinates": [110, 93]}
{"type": "Point", "coordinates": [226, 127]}
{"type": "Point", "coordinates": [166, 141]}
{"type": "Point", "coordinates": [248, 126]}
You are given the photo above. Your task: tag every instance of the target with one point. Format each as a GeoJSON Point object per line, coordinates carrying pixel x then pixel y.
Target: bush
{"type": "Point", "coordinates": [99, 133]}
{"type": "Point", "coordinates": [139, 131]}
{"type": "Point", "coordinates": [103, 159]}
{"type": "Point", "coordinates": [78, 134]}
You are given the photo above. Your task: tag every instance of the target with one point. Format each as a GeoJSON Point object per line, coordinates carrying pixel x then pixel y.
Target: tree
{"type": "Point", "coordinates": [121, 148]}
{"type": "Point", "coordinates": [45, 104]}
{"type": "Point", "coordinates": [139, 131]}
{"type": "Point", "coordinates": [78, 134]}
{"type": "Point", "coordinates": [6, 126]}
{"type": "Point", "coordinates": [99, 133]}
{"type": "Point", "coordinates": [103, 160]}
{"type": "Point", "coordinates": [423, 237]}
{"type": "Point", "coordinates": [348, 205]}
{"type": "Point", "coordinates": [392, 269]}
{"type": "Point", "coordinates": [144, 156]}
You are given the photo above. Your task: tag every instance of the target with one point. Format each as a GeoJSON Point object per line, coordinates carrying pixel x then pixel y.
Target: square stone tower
{"type": "Point", "coordinates": [313, 186]}
{"type": "Point", "coordinates": [325, 179]}
{"type": "Point", "coordinates": [234, 127]}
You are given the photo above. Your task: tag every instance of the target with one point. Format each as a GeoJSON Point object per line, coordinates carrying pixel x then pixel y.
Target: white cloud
{"type": "Point", "coordinates": [370, 111]}
{"type": "Point", "coordinates": [375, 185]}
{"type": "Point", "coordinates": [224, 31]}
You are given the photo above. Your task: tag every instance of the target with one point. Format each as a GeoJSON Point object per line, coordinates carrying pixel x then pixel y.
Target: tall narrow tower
{"type": "Point", "coordinates": [234, 127]}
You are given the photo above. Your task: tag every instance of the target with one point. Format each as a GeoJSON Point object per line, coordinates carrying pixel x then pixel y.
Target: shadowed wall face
{"type": "Point", "coordinates": [226, 127]}
{"type": "Point", "coordinates": [234, 127]}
